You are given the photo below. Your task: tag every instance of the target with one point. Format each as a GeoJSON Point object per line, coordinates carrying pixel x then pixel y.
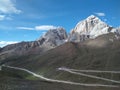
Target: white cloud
{"type": "Point", "coordinates": [4, 43]}
{"type": "Point", "coordinates": [8, 7]}
{"type": "Point", "coordinates": [100, 14]}
{"type": "Point", "coordinates": [2, 17]}
{"type": "Point", "coordinates": [45, 27]}
{"type": "Point", "coordinates": [25, 28]}
{"type": "Point", "coordinates": [41, 27]}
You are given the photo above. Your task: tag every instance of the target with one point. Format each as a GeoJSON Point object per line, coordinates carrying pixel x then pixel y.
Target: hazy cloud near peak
{"type": "Point", "coordinates": [25, 28]}
{"type": "Point", "coordinates": [4, 43]}
{"type": "Point", "coordinates": [45, 27]}
{"type": "Point", "coordinates": [39, 28]}
{"type": "Point", "coordinates": [100, 14]}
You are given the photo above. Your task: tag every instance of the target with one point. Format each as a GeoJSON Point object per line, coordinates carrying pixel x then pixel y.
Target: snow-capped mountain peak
{"type": "Point", "coordinates": [85, 26]}
{"type": "Point", "coordinates": [91, 17]}
{"type": "Point", "coordinates": [91, 27]}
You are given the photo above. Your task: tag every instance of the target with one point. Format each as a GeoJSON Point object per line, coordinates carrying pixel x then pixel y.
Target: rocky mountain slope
{"type": "Point", "coordinates": [51, 39]}
{"type": "Point", "coordinates": [54, 37]}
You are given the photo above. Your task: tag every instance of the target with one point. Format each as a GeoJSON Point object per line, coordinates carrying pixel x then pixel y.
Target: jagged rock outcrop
{"type": "Point", "coordinates": [89, 28]}
{"type": "Point", "coordinates": [54, 37]}
{"type": "Point", "coordinates": [118, 30]}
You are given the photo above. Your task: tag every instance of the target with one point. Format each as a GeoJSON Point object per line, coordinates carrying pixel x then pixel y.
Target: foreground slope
{"type": "Point", "coordinates": [8, 83]}
{"type": "Point", "coordinates": [102, 53]}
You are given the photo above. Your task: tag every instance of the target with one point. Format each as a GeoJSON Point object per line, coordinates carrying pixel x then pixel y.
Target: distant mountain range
{"type": "Point", "coordinates": [91, 45]}
{"type": "Point", "coordinates": [89, 28]}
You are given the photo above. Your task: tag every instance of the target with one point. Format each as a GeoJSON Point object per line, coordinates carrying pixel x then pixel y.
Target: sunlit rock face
{"type": "Point", "coordinates": [91, 27]}
{"type": "Point", "coordinates": [54, 37]}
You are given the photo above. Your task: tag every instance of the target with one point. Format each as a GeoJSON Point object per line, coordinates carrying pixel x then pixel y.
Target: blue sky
{"type": "Point", "coordinates": [27, 20]}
